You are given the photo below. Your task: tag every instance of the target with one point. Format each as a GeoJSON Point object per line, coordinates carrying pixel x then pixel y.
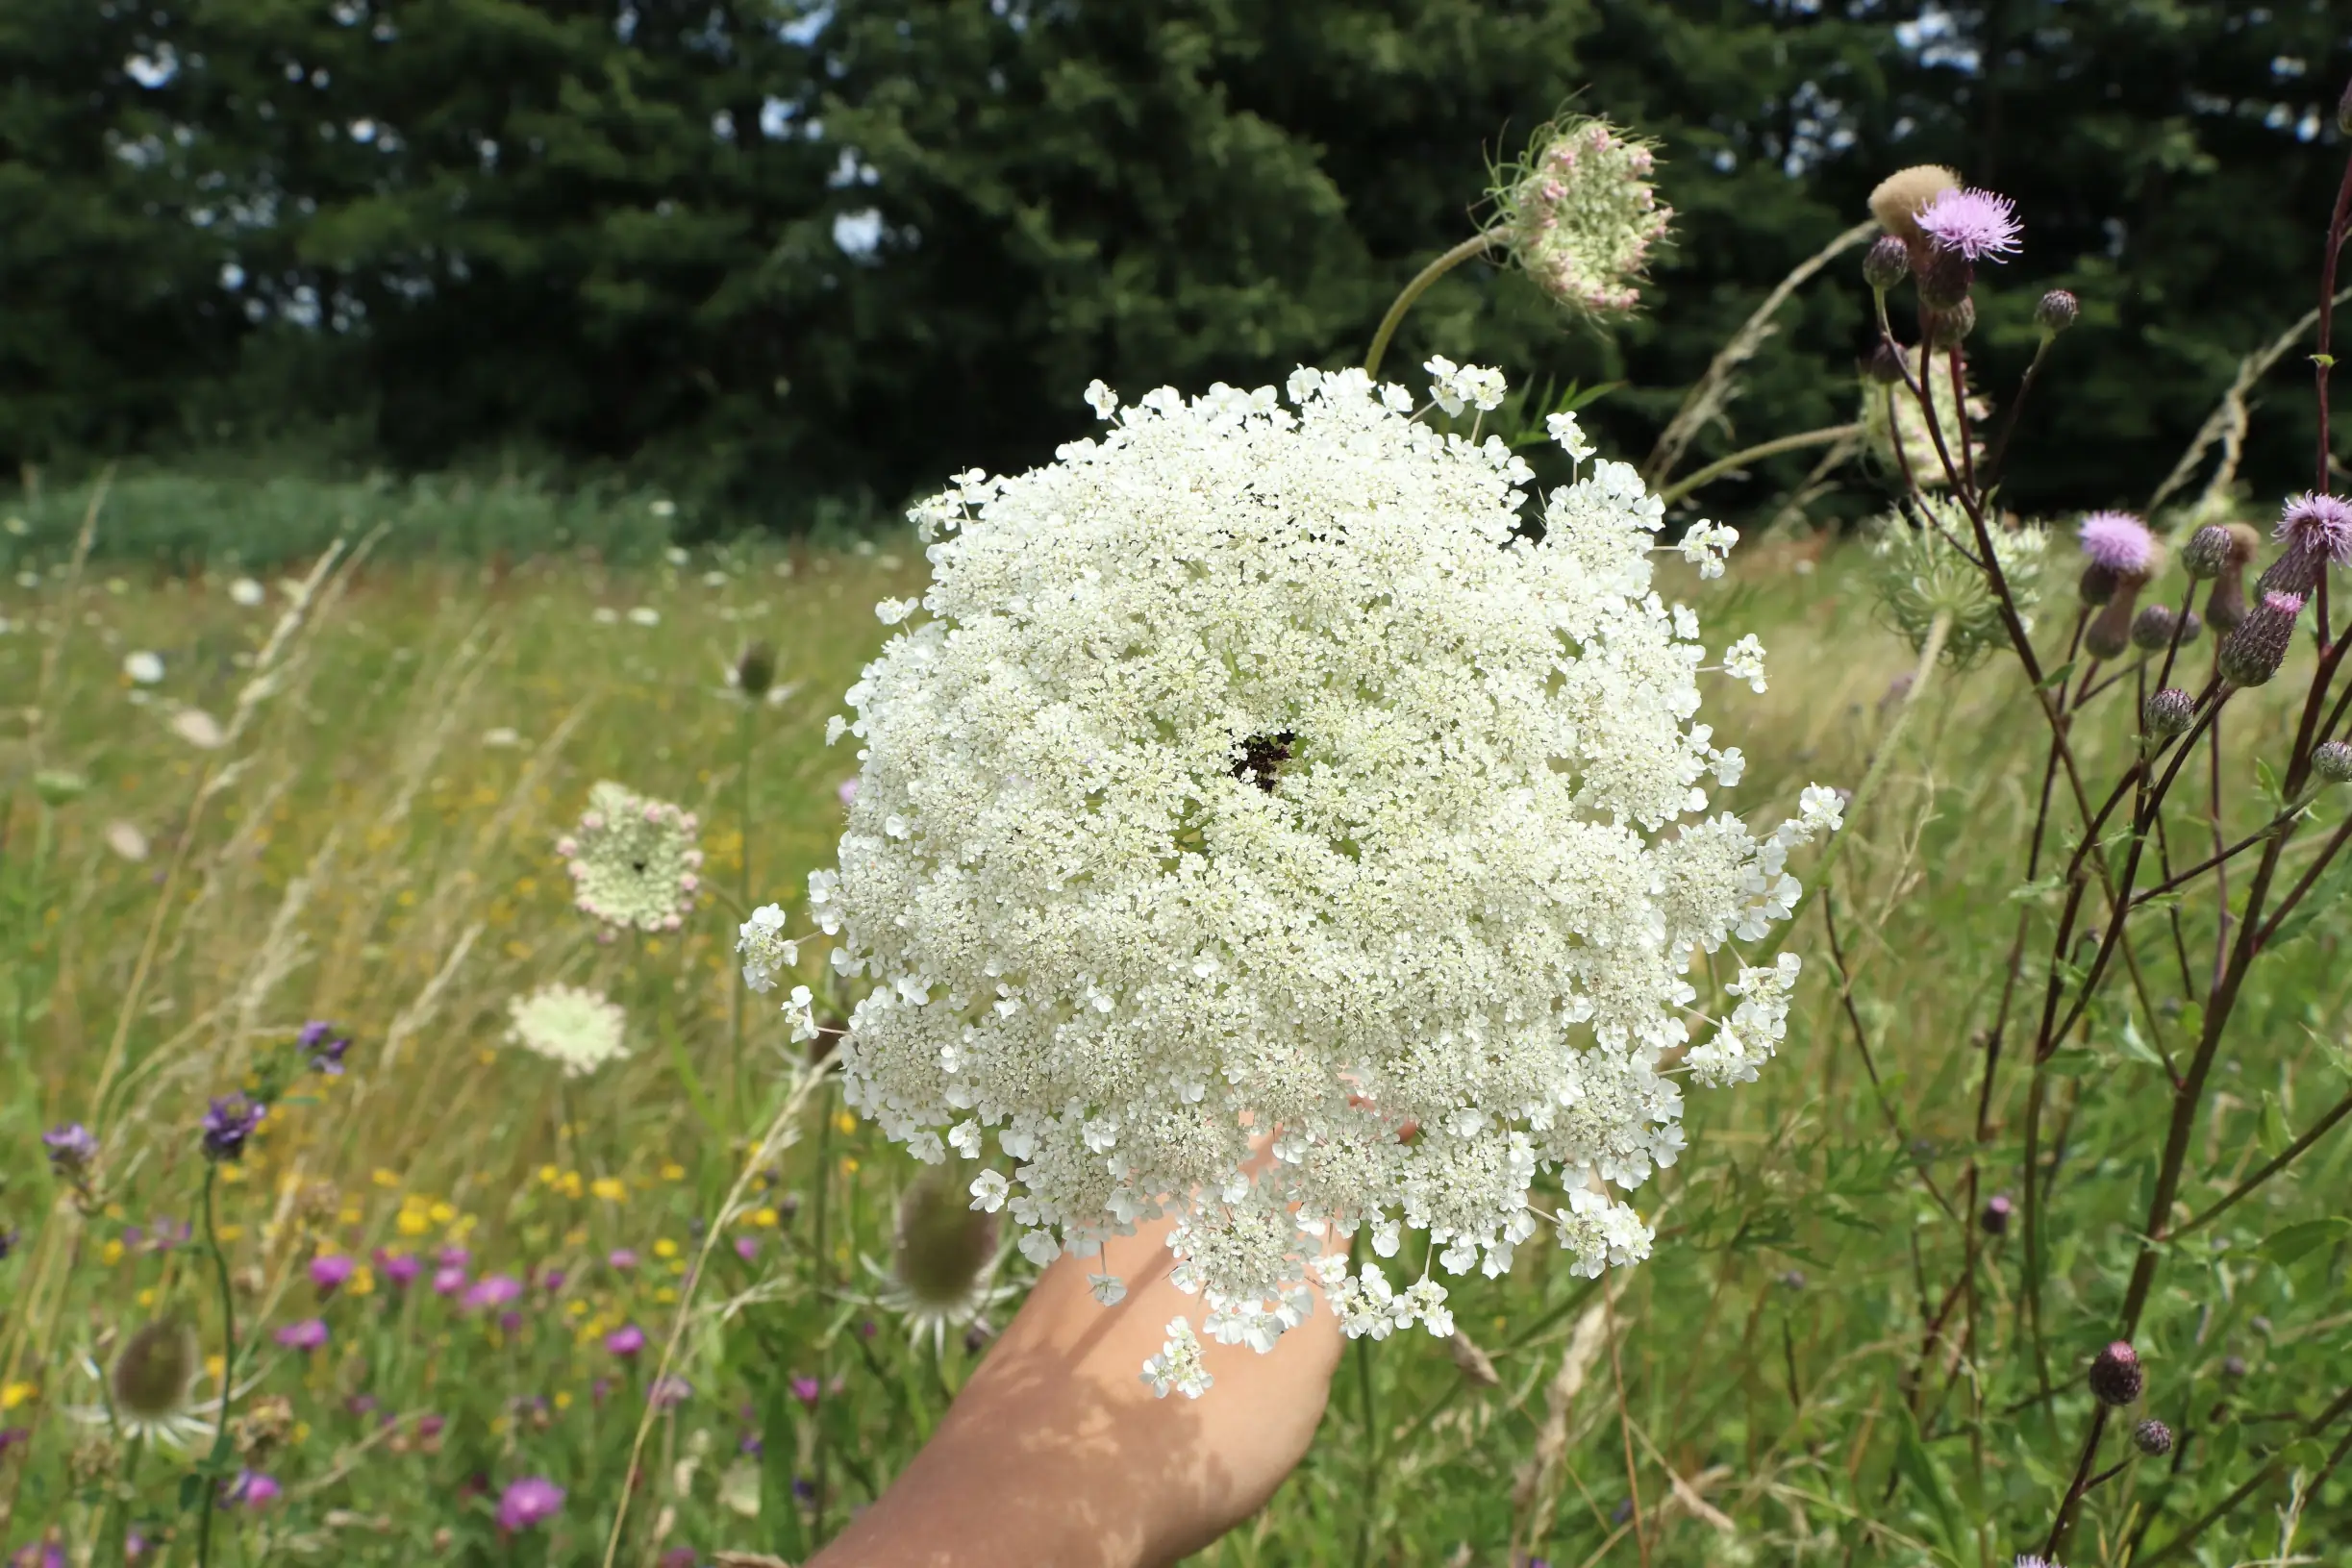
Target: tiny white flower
{"type": "Point", "coordinates": [247, 592]}
{"type": "Point", "coordinates": [1108, 1288]}
{"type": "Point", "coordinates": [988, 1189]}
{"type": "Point", "coordinates": [503, 735]}
{"type": "Point", "coordinates": [143, 666]}
{"type": "Point", "coordinates": [765, 950]}
{"type": "Point", "coordinates": [646, 615]}
{"type": "Point", "coordinates": [1822, 808]}
{"type": "Point", "coordinates": [1102, 399]}
{"type": "Point", "coordinates": [198, 728]}
{"type": "Point", "coordinates": [604, 615]}
{"type": "Point", "coordinates": [1563, 429]}
{"type": "Point", "coordinates": [1743, 660]}
{"type": "Point", "coordinates": [1706, 545]}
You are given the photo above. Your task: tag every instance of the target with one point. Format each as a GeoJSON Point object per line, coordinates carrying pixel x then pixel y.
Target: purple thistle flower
{"type": "Point", "coordinates": [71, 1149]}
{"type": "Point", "coordinates": [308, 1335]}
{"type": "Point", "coordinates": [552, 1280]}
{"type": "Point", "coordinates": [623, 1259]}
{"type": "Point", "coordinates": [448, 1281]}
{"type": "Point", "coordinates": [1975, 223]}
{"type": "Point", "coordinates": [228, 1124]}
{"type": "Point", "coordinates": [401, 1269]}
{"type": "Point", "coordinates": [251, 1489]}
{"type": "Point", "coordinates": [678, 1556]}
{"type": "Point", "coordinates": [2116, 540]}
{"type": "Point", "coordinates": [807, 1390]}
{"type": "Point", "coordinates": [531, 1500]}
{"type": "Point", "coordinates": [508, 1322]}
{"type": "Point", "coordinates": [39, 1555]}
{"type": "Point", "coordinates": [494, 1291]}
{"type": "Point", "coordinates": [329, 1271]}
{"type": "Point", "coordinates": [668, 1392]}
{"type": "Point", "coordinates": [2319, 525]}
{"type": "Point", "coordinates": [455, 1258]}
{"type": "Point", "coordinates": [747, 1248]}
{"type": "Point", "coordinates": [626, 1340]}
{"type": "Point", "coordinates": [323, 1046]}
{"type": "Point", "coordinates": [430, 1426]}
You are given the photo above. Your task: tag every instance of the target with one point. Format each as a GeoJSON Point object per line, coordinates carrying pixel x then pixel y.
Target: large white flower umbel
{"type": "Point", "coordinates": [1254, 774]}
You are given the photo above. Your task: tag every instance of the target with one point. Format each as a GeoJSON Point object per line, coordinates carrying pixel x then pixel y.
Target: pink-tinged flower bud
{"type": "Point", "coordinates": [2057, 311]}
{"type": "Point", "coordinates": [2254, 652]}
{"type": "Point", "coordinates": [2153, 1438]}
{"type": "Point", "coordinates": [2168, 713]}
{"type": "Point", "coordinates": [1886, 264]}
{"type": "Point", "coordinates": [1995, 1217]}
{"type": "Point", "coordinates": [2116, 1375]}
{"type": "Point", "coordinates": [2332, 763]}
{"type": "Point", "coordinates": [2153, 628]}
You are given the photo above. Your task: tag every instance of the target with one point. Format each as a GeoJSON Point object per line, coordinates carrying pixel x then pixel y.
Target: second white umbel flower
{"type": "Point", "coordinates": [1258, 775]}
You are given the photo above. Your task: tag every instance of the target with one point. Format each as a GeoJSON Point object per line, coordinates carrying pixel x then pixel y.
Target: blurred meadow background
{"type": "Point", "coordinates": [382, 491]}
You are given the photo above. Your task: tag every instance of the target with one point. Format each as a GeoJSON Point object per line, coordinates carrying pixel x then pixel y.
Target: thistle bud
{"type": "Point", "coordinates": [2225, 606]}
{"type": "Point", "coordinates": [1946, 277]}
{"type": "Point", "coordinates": [1949, 329]}
{"type": "Point", "coordinates": [2152, 628]}
{"type": "Point", "coordinates": [2297, 571]}
{"type": "Point", "coordinates": [1995, 1217]}
{"type": "Point", "coordinates": [2153, 1438]}
{"type": "Point", "coordinates": [150, 1379]}
{"type": "Point", "coordinates": [2207, 551]}
{"type": "Point", "coordinates": [2332, 763]}
{"type": "Point", "coordinates": [2253, 653]}
{"type": "Point", "coordinates": [2057, 311]}
{"type": "Point", "coordinates": [1886, 264]}
{"type": "Point", "coordinates": [2097, 584]}
{"type": "Point", "coordinates": [2115, 1375]}
{"type": "Point", "coordinates": [755, 670]}
{"type": "Point", "coordinates": [2168, 713]}
{"type": "Point", "coordinates": [1885, 365]}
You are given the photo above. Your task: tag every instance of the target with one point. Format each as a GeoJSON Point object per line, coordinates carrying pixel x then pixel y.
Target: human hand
{"type": "Point", "coordinates": [1058, 1453]}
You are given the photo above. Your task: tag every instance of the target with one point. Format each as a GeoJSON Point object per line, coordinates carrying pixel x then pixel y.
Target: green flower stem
{"type": "Point", "coordinates": [822, 1265]}
{"type": "Point", "coordinates": [209, 1474]}
{"type": "Point", "coordinates": [1773, 448]}
{"type": "Point", "coordinates": [1369, 1504]}
{"type": "Point", "coordinates": [1930, 653]}
{"type": "Point", "coordinates": [1476, 245]}
{"type": "Point", "coordinates": [741, 995]}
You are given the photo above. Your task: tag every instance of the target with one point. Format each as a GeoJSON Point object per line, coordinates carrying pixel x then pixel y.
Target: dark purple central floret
{"type": "Point", "coordinates": [71, 1148]}
{"type": "Point", "coordinates": [228, 1124]}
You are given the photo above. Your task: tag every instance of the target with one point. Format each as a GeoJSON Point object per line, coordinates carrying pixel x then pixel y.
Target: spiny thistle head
{"type": "Point", "coordinates": [1996, 1215]}
{"type": "Point", "coordinates": [2153, 1438]}
{"type": "Point", "coordinates": [1897, 200]}
{"type": "Point", "coordinates": [943, 1247]}
{"type": "Point", "coordinates": [150, 1379]}
{"type": "Point", "coordinates": [1886, 264]}
{"type": "Point", "coordinates": [576, 1029]}
{"type": "Point", "coordinates": [2207, 552]}
{"type": "Point", "coordinates": [2056, 312]}
{"type": "Point", "coordinates": [1885, 365]}
{"type": "Point", "coordinates": [2157, 626]}
{"type": "Point", "coordinates": [1975, 224]}
{"type": "Point", "coordinates": [2253, 653]}
{"type": "Point", "coordinates": [2332, 763]}
{"type": "Point", "coordinates": [1580, 214]}
{"type": "Point", "coordinates": [1950, 327]}
{"type": "Point", "coordinates": [1920, 574]}
{"type": "Point", "coordinates": [228, 1124]}
{"type": "Point", "coordinates": [2168, 713]}
{"type": "Point", "coordinates": [632, 860]}
{"type": "Point", "coordinates": [2115, 1375]}
{"type": "Point", "coordinates": [2318, 526]}
{"type": "Point", "coordinates": [2225, 606]}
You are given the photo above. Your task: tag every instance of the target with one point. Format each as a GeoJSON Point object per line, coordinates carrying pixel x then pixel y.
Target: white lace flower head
{"type": "Point", "coordinates": [632, 860]}
{"type": "Point", "coordinates": [1581, 215]}
{"type": "Point", "coordinates": [1252, 768]}
{"type": "Point", "coordinates": [578, 1029]}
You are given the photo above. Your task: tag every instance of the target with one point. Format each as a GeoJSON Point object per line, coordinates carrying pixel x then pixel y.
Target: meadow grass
{"type": "Point", "coordinates": [1809, 1371]}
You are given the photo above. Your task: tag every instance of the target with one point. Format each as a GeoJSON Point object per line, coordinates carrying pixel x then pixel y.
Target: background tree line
{"type": "Point", "coordinates": [772, 252]}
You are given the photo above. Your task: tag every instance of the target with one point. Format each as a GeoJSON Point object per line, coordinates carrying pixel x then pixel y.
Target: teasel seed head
{"type": "Point", "coordinates": [151, 1377]}
{"type": "Point", "coordinates": [755, 670]}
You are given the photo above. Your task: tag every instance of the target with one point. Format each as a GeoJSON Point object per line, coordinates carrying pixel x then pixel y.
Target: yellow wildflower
{"type": "Point", "coordinates": [571, 1185]}
{"type": "Point", "coordinates": [411, 1223]}
{"type": "Point", "coordinates": [763, 1218]}
{"type": "Point", "coordinates": [349, 1215]}
{"type": "Point", "coordinates": [384, 1179]}
{"type": "Point", "coordinates": [363, 1282]}
{"type": "Point", "coordinates": [14, 1394]}
{"type": "Point", "coordinates": [665, 1248]}
{"type": "Point", "coordinates": [608, 1188]}
{"type": "Point", "coordinates": [110, 1254]}
{"type": "Point", "coordinates": [301, 1431]}
{"type": "Point", "coordinates": [576, 1236]}
{"type": "Point", "coordinates": [845, 1122]}
{"type": "Point", "coordinates": [665, 1295]}
{"type": "Point", "coordinates": [563, 1398]}
{"type": "Point", "coordinates": [440, 1213]}
{"type": "Point", "coordinates": [548, 1176]}
{"type": "Point", "coordinates": [232, 1232]}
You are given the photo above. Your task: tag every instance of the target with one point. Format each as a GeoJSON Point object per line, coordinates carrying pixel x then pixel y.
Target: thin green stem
{"type": "Point", "coordinates": [1773, 448]}
{"type": "Point", "coordinates": [1368, 1504]}
{"type": "Point", "coordinates": [821, 1262]}
{"type": "Point", "coordinates": [1475, 246]}
{"type": "Point", "coordinates": [736, 994]}
{"type": "Point", "coordinates": [1930, 652]}
{"type": "Point", "coordinates": [209, 1474]}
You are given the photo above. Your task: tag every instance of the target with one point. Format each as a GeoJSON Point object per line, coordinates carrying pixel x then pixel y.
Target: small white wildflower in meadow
{"type": "Point", "coordinates": [1743, 660]}
{"type": "Point", "coordinates": [1821, 808]}
{"type": "Point", "coordinates": [1253, 767]}
{"type": "Point", "coordinates": [632, 860]}
{"type": "Point", "coordinates": [644, 615]}
{"type": "Point", "coordinates": [800, 1011]}
{"type": "Point", "coordinates": [1467, 385]}
{"type": "Point", "coordinates": [714, 579]}
{"type": "Point", "coordinates": [764, 949]}
{"type": "Point", "coordinates": [1563, 429]}
{"type": "Point", "coordinates": [247, 592]}
{"type": "Point", "coordinates": [1177, 1367]}
{"type": "Point", "coordinates": [578, 1029]}
{"type": "Point", "coordinates": [604, 615]}
{"type": "Point", "coordinates": [143, 666]}
{"type": "Point", "coordinates": [501, 737]}
{"type": "Point", "coordinates": [1706, 545]}
{"type": "Point", "coordinates": [198, 728]}
{"type": "Point", "coordinates": [666, 508]}
{"type": "Point", "coordinates": [126, 840]}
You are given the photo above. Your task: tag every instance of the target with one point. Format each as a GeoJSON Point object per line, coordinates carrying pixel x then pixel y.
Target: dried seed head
{"type": "Point", "coordinates": [2168, 713]}
{"type": "Point", "coordinates": [942, 1245]}
{"type": "Point", "coordinates": [264, 1426]}
{"type": "Point", "coordinates": [1995, 1217]}
{"type": "Point", "coordinates": [2207, 551]}
{"type": "Point", "coordinates": [2057, 311]}
{"type": "Point", "coordinates": [151, 1377]}
{"type": "Point", "coordinates": [755, 670]}
{"type": "Point", "coordinates": [2332, 763]}
{"type": "Point", "coordinates": [2253, 653]}
{"type": "Point", "coordinates": [1886, 264]}
{"type": "Point", "coordinates": [2153, 1438]}
{"type": "Point", "coordinates": [1899, 197]}
{"type": "Point", "coordinates": [2116, 1375]}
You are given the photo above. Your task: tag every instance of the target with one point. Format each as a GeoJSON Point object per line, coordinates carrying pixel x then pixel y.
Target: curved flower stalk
{"type": "Point", "coordinates": [1254, 770]}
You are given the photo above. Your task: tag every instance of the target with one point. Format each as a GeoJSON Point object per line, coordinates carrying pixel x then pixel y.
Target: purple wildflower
{"type": "Point", "coordinates": [228, 1124]}
{"type": "Point", "coordinates": [251, 1489]}
{"type": "Point", "coordinates": [678, 1556]}
{"type": "Point", "coordinates": [10, 1436]}
{"type": "Point", "coordinates": [326, 1053]}
{"type": "Point", "coordinates": [428, 1427]}
{"type": "Point", "coordinates": [448, 1280]}
{"type": "Point", "coordinates": [400, 1268]}
{"type": "Point", "coordinates": [494, 1291]}
{"type": "Point", "coordinates": [509, 1321]}
{"type": "Point", "coordinates": [1975, 223]}
{"type": "Point", "coordinates": [39, 1555]}
{"type": "Point", "coordinates": [552, 1280]}
{"type": "Point", "coordinates": [626, 1340]}
{"type": "Point", "coordinates": [2116, 540]}
{"type": "Point", "coordinates": [848, 793]}
{"type": "Point", "coordinates": [329, 1271]}
{"type": "Point", "coordinates": [455, 1258]}
{"type": "Point", "coordinates": [71, 1149]}
{"type": "Point", "coordinates": [747, 1248]}
{"type": "Point", "coordinates": [2318, 525]}
{"type": "Point", "coordinates": [806, 1391]}
{"type": "Point", "coordinates": [531, 1500]}
{"type": "Point", "coordinates": [623, 1259]}
{"type": "Point", "coordinates": [8, 1241]}
{"type": "Point", "coordinates": [751, 1445]}
{"type": "Point", "coordinates": [311, 1334]}
{"type": "Point", "coordinates": [668, 1391]}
